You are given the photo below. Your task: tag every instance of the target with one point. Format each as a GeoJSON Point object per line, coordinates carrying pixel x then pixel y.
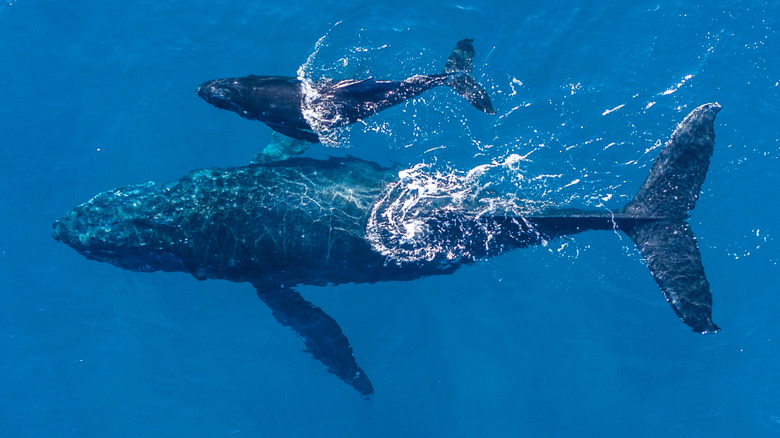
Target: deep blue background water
{"type": "Point", "coordinates": [572, 339]}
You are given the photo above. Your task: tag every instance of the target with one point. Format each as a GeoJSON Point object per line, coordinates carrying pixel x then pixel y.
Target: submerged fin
{"type": "Point", "coordinates": [281, 147]}
{"type": "Point", "coordinates": [666, 242]}
{"type": "Point", "coordinates": [295, 133]}
{"type": "Point", "coordinates": [320, 333]}
{"type": "Point", "coordinates": [458, 67]}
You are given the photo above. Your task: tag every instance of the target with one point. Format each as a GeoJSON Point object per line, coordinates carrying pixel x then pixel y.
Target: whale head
{"type": "Point", "coordinates": [229, 94]}
{"type": "Point", "coordinates": [126, 227]}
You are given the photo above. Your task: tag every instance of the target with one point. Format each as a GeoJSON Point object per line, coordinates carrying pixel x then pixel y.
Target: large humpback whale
{"type": "Point", "coordinates": [301, 109]}
{"type": "Point", "coordinates": [320, 222]}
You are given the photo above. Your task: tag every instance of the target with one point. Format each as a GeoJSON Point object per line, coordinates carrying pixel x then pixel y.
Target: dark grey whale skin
{"type": "Point", "coordinates": [279, 101]}
{"type": "Point", "coordinates": [303, 221]}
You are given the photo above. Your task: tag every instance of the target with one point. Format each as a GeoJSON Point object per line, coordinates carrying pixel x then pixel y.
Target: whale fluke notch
{"type": "Point", "coordinates": [669, 192]}
{"type": "Point", "coordinates": [320, 333]}
{"type": "Point", "coordinates": [458, 67]}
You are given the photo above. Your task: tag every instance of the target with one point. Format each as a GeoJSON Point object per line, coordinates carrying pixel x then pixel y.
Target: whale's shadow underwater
{"type": "Point", "coordinates": [321, 222]}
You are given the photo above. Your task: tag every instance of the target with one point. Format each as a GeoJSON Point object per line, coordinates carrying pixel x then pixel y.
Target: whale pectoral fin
{"type": "Point", "coordinates": [367, 84]}
{"type": "Point", "coordinates": [321, 334]}
{"type": "Point", "coordinates": [281, 147]}
{"type": "Point", "coordinates": [295, 133]}
{"type": "Point", "coordinates": [364, 91]}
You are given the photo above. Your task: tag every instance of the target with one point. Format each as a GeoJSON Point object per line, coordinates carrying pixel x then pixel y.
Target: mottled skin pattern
{"type": "Point", "coordinates": [300, 221]}
{"type": "Point", "coordinates": [304, 221]}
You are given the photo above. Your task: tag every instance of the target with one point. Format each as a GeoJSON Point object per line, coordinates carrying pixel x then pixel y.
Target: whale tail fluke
{"type": "Point", "coordinates": [458, 68]}
{"type": "Point", "coordinates": [666, 241]}
{"type": "Point", "coordinates": [673, 185]}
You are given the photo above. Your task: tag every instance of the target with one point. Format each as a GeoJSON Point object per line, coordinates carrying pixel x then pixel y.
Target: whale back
{"type": "Point", "coordinates": [300, 220]}
{"type": "Point", "coordinates": [282, 221]}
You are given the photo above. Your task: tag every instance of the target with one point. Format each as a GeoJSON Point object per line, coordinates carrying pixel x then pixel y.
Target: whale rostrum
{"type": "Point", "coordinates": [323, 222]}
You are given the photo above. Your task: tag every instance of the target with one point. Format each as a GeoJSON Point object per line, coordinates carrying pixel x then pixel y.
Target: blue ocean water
{"type": "Point", "coordinates": [569, 339]}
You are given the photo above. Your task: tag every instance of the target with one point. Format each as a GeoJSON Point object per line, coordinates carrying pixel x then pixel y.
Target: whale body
{"type": "Point", "coordinates": [320, 222]}
{"type": "Point", "coordinates": [301, 110]}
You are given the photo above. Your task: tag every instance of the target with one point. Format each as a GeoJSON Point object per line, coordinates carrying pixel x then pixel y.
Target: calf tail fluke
{"type": "Point", "coordinates": [666, 242]}
{"type": "Point", "coordinates": [459, 66]}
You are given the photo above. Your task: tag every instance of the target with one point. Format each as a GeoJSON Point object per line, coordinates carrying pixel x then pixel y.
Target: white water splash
{"type": "Point", "coordinates": [613, 109]}
{"type": "Point", "coordinates": [400, 224]}
{"type": "Point", "coordinates": [315, 110]}
{"type": "Point", "coordinates": [677, 86]}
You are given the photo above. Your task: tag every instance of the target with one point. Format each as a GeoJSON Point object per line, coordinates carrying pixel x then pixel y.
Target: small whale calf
{"type": "Point", "coordinates": [302, 110]}
{"type": "Point", "coordinates": [328, 222]}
